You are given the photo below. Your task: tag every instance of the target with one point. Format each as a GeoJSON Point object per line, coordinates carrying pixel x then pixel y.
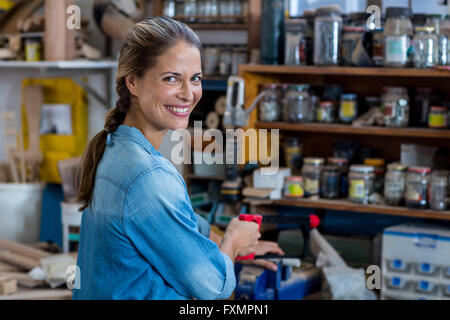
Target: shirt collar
{"type": "Point", "coordinates": [137, 136]}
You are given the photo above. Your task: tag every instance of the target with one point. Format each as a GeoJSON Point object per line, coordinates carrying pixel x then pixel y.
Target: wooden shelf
{"type": "Point", "coordinates": [344, 71]}
{"type": "Point", "coordinates": [192, 176]}
{"type": "Point", "coordinates": [348, 129]}
{"type": "Point", "coordinates": [344, 205]}
{"type": "Point", "coordinates": [209, 26]}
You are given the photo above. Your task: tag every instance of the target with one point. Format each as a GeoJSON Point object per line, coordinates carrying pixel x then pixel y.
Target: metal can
{"type": "Point", "coordinates": [293, 187]}
{"type": "Point", "coordinates": [361, 180]}
{"type": "Point", "coordinates": [417, 187]}
{"type": "Point", "coordinates": [33, 50]}
{"type": "Point", "coordinates": [438, 117]}
{"type": "Point", "coordinates": [348, 110]}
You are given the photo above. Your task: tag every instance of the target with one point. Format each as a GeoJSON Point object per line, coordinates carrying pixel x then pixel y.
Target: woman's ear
{"type": "Point", "coordinates": [131, 82]}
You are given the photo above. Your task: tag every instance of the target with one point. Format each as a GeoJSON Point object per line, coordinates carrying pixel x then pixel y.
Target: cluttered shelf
{"type": "Point", "coordinates": [345, 205]}
{"type": "Point", "coordinates": [344, 71]}
{"type": "Point", "coordinates": [74, 64]}
{"type": "Point", "coordinates": [356, 130]}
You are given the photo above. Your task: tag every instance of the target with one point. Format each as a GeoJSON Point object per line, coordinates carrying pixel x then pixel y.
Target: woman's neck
{"type": "Point", "coordinates": [154, 135]}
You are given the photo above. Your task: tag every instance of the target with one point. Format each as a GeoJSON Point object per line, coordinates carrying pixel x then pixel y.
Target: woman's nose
{"type": "Point", "coordinates": [186, 93]}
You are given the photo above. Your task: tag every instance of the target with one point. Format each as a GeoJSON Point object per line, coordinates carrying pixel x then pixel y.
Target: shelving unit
{"type": "Point", "coordinates": [318, 138]}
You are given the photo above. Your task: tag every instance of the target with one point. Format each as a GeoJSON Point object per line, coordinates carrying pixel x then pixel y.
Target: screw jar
{"type": "Point", "coordinates": [378, 165]}
{"type": "Point", "coordinates": [348, 107]}
{"type": "Point", "coordinates": [361, 180]}
{"type": "Point", "coordinates": [395, 105]}
{"type": "Point", "coordinates": [271, 105]}
{"type": "Point", "coordinates": [439, 190]}
{"type": "Point", "coordinates": [417, 185]}
{"type": "Point", "coordinates": [397, 36]}
{"type": "Point", "coordinates": [327, 35]}
{"type": "Point", "coordinates": [293, 153]}
{"type": "Point", "coordinates": [311, 173]}
{"type": "Point", "coordinates": [438, 117]}
{"type": "Point", "coordinates": [342, 164]}
{"type": "Point", "coordinates": [325, 112]}
{"type": "Point", "coordinates": [297, 106]}
{"type": "Point", "coordinates": [330, 182]}
{"type": "Point", "coordinates": [425, 47]}
{"type": "Point", "coordinates": [293, 187]}
{"type": "Point", "coordinates": [394, 184]}
{"type": "Point", "coordinates": [296, 45]}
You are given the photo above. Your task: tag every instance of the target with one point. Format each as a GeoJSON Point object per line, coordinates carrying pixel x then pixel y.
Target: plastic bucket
{"type": "Point", "coordinates": [20, 211]}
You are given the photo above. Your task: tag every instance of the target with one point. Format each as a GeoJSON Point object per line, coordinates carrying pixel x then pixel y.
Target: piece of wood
{"type": "Point", "coordinates": [8, 24]}
{"type": "Point", "coordinates": [23, 249]}
{"type": "Point", "coordinates": [352, 130]}
{"type": "Point", "coordinates": [59, 40]}
{"type": "Point", "coordinates": [5, 267]}
{"type": "Point", "coordinates": [23, 279]}
{"type": "Point", "coordinates": [7, 285]}
{"type": "Point", "coordinates": [18, 260]}
{"type": "Point", "coordinates": [41, 294]}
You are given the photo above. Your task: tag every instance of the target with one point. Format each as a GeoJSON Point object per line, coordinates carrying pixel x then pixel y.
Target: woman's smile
{"type": "Point", "coordinates": [178, 110]}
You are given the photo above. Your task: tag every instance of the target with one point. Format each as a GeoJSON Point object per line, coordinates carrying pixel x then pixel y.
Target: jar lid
{"type": "Point", "coordinates": [298, 87]}
{"type": "Point", "coordinates": [424, 29]}
{"type": "Point", "coordinates": [295, 24]}
{"type": "Point", "coordinates": [362, 168]}
{"type": "Point", "coordinates": [348, 96]}
{"type": "Point", "coordinates": [438, 108]}
{"type": "Point", "coordinates": [333, 160]}
{"type": "Point", "coordinates": [309, 13]}
{"type": "Point", "coordinates": [294, 178]}
{"type": "Point", "coordinates": [396, 166]}
{"type": "Point", "coordinates": [398, 12]}
{"type": "Point", "coordinates": [312, 160]}
{"type": "Point", "coordinates": [376, 162]}
{"type": "Point", "coordinates": [326, 104]}
{"type": "Point", "coordinates": [422, 170]}
{"type": "Point", "coordinates": [325, 10]}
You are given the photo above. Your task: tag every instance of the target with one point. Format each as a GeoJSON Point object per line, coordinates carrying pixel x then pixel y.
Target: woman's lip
{"type": "Point", "coordinates": [178, 114]}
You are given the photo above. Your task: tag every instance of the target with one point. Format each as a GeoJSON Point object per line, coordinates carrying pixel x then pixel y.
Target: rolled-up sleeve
{"type": "Point", "coordinates": [160, 222]}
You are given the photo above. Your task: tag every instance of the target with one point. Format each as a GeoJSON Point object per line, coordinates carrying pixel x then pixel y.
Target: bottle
{"type": "Point", "coordinates": [398, 32]}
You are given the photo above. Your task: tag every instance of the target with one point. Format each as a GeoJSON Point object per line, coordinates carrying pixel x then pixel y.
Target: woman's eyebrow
{"type": "Point", "coordinates": [178, 74]}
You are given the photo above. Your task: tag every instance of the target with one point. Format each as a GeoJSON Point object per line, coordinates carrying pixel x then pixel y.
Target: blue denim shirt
{"type": "Point", "coordinates": [140, 237]}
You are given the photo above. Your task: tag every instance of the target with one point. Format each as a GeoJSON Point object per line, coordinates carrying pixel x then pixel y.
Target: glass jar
{"type": "Point", "coordinates": [378, 165]}
{"type": "Point", "coordinates": [311, 172]}
{"type": "Point", "coordinates": [309, 16]}
{"type": "Point", "coordinates": [438, 117]}
{"type": "Point", "coordinates": [425, 47]}
{"type": "Point", "coordinates": [395, 105]}
{"type": "Point", "coordinates": [271, 105]}
{"type": "Point", "coordinates": [441, 27]}
{"type": "Point", "coordinates": [169, 8]}
{"type": "Point", "coordinates": [297, 106]}
{"type": "Point", "coordinates": [325, 112]}
{"type": "Point", "coordinates": [350, 38]}
{"type": "Point", "coordinates": [179, 9]}
{"type": "Point", "coordinates": [330, 182]}
{"type": "Point", "coordinates": [361, 180]}
{"type": "Point", "coordinates": [422, 100]}
{"type": "Point", "coordinates": [439, 190]}
{"type": "Point", "coordinates": [398, 32]}
{"type": "Point", "coordinates": [348, 107]}
{"type": "Point", "coordinates": [225, 61]}
{"type": "Point", "coordinates": [417, 185]}
{"type": "Point", "coordinates": [190, 10]}
{"type": "Point", "coordinates": [394, 184]}
{"type": "Point", "coordinates": [293, 153]}
{"type": "Point", "coordinates": [225, 11]}
{"type": "Point", "coordinates": [295, 51]}
{"type": "Point", "coordinates": [342, 164]}
{"type": "Point", "coordinates": [211, 60]}
{"type": "Point", "coordinates": [327, 35]}
{"type": "Point", "coordinates": [293, 187]}
{"type": "Point", "coordinates": [238, 57]}
{"type": "Point", "coordinates": [378, 47]}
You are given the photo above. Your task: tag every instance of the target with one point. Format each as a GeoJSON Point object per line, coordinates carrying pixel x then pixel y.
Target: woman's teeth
{"type": "Point", "coordinates": [178, 109]}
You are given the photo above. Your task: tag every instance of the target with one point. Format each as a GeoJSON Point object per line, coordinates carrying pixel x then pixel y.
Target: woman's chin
{"type": "Point", "coordinates": [180, 124]}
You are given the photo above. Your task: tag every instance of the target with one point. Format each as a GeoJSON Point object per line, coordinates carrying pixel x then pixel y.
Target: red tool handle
{"type": "Point", "coordinates": [250, 218]}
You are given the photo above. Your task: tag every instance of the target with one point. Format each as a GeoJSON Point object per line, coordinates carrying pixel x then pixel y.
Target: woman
{"type": "Point", "coordinates": [140, 238]}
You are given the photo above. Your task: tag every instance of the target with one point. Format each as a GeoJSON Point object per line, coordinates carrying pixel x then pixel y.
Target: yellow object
{"type": "Point", "coordinates": [374, 162]}
{"type": "Point", "coordinates": [357, 188]}
{"type": "Point", "coordinates": [53, 146]}
{"type": "Point", "coordinates": [6, 4]}
{"type": "Point", "coordinates": [33, 51]}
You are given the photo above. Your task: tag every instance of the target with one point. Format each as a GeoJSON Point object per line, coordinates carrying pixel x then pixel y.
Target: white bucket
{"type": "Point", "coordinates": [20, 211]}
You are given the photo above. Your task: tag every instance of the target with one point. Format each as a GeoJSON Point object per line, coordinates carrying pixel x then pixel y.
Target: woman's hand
{"type": "Point", "coordinates": [265, 247]}
{"type": "Point", "coordinates": [240, 238]}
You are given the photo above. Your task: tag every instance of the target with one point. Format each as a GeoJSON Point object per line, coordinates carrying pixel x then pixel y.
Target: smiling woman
{"type": "Point", "coordinates": [140, 238]}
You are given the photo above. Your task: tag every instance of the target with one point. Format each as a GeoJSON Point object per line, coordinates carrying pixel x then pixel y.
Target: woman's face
{"type": "Point", "coordinates": [170, 90]}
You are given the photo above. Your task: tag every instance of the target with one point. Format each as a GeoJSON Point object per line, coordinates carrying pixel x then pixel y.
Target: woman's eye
{"type": "Point", "coordinates": [170, 79]}
{"type": "Point", "coordinates": [196, 79]}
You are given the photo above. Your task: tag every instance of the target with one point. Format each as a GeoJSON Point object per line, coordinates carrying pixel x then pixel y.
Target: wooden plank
{"type": "Point", "coordinates": [344, 205]}
{"type": "Point", "coordinates": [42, 294]}
{"type": "Point", "coordinates": [7, 285]}
{"type": "Point", "coordinates": [345, 71]}
{"type": "Point", "coordinates": [23, 279]}
{"type": "Point", "coordinates": [18, 260]}
{"type": "Point", "coordinates": [348, 129]}
{"type": "Point", "coordinates": [23, 249]}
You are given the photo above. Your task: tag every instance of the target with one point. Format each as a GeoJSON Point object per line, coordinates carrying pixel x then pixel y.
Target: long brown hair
{"type": "Point", "coordinates": [145, 42]}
